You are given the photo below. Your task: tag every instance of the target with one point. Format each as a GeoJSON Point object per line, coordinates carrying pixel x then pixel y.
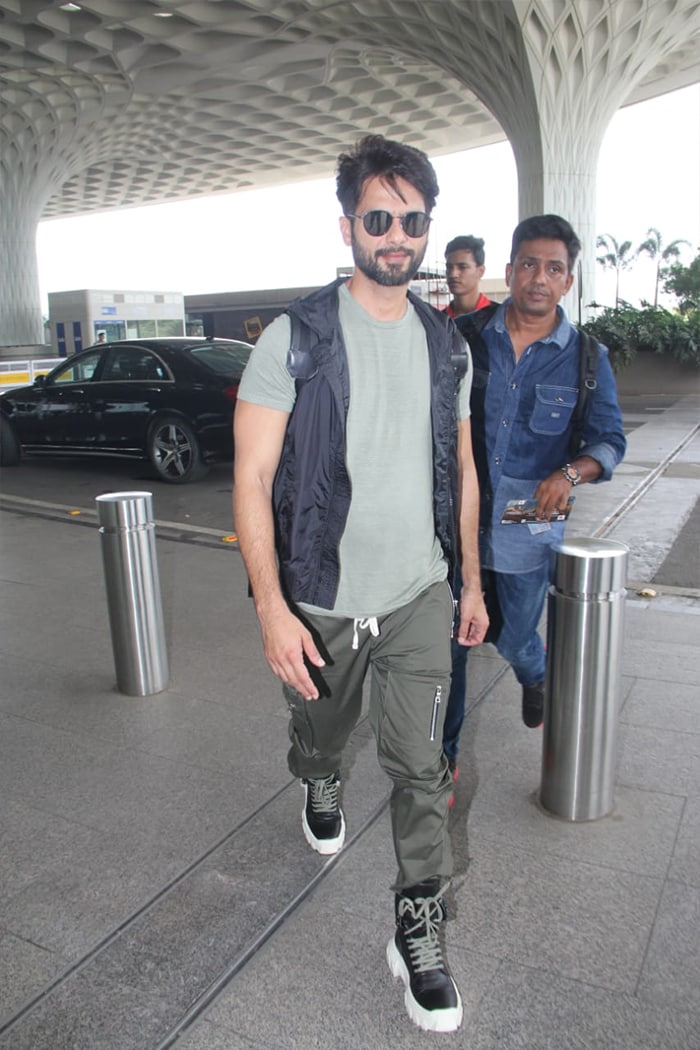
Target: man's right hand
{"type": "Point", "coordinates": [287, 643]}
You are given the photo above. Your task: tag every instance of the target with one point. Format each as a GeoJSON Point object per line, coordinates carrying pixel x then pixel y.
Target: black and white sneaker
{"type": "Point", "coordinates": [415, 955]}
{"type": "Point", "coordinates": [322, 818]}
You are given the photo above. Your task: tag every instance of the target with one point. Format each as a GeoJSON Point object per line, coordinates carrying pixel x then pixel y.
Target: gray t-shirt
{"type": "Point", "coordinates": [388, 552]}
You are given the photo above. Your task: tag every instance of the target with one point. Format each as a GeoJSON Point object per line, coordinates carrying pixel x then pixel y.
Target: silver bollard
{"type": "Point", "coordinates": [127, 533]}
{"type": "Point", "coordinates": [585, 617]}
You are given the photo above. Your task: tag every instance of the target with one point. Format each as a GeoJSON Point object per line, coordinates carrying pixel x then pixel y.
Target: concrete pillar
{"type": "Point", "coordinates": [20, 306]}
{"type": "Point", "coordinates": [554, 85]}
{"type": "Point", "coordinates": [47, 133]}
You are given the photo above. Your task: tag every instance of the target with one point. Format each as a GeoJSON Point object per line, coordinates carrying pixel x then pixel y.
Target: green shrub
{"type": "Point", "coordinates": [627, 332]}
{"type": "Point", "coordinates": [684, 283]}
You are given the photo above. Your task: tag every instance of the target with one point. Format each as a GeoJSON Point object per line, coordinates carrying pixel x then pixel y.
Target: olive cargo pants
{"type": "Point", "coordinates": [409, 661]}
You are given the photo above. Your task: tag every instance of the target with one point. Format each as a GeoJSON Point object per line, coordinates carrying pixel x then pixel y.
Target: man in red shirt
{"type": "Point", "coordinates": [464, 265]}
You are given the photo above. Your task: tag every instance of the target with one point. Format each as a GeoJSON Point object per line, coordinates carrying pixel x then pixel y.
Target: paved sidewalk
{"type": "Point", "coordinates": [155, 888]}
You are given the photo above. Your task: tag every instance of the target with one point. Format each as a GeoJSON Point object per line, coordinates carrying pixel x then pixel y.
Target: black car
{"type": "Point", "coordinates": [169, 401]}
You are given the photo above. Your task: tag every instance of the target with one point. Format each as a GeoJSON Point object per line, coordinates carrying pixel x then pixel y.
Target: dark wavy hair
{"type": "Point", "coordinates": [475, 245]}
{"type": "Point", "coordinates": [554, 228]}
{"type": "Point", "coordinates": [376, 156]}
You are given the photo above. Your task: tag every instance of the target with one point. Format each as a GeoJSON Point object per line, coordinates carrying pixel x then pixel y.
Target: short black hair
{"type": "Point", "coordinates": [554, 228]}
{"type": "Point", "coordinates": [475, 245]}
{"type": "Point", "coordinates": [375, 156]}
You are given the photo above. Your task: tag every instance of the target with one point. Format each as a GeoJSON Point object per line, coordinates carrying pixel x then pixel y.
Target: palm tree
{"type": "Point", "coordinates": [616, 257]}
{"type": "Point", "coordinates": [653, 247]}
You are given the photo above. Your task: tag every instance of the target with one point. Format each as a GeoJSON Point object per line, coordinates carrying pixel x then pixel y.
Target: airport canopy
{"type": "Point", "coordinates": [108, 104]}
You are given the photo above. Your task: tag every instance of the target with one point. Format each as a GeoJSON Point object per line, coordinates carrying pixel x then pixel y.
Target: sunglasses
{"type": "Point", "coordinates": [377, 223]}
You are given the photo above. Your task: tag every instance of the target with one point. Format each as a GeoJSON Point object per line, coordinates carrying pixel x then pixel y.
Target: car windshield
{"type": "Point", "coordinates": [223, 357]}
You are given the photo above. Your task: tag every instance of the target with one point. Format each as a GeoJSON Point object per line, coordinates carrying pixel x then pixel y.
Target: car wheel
{"type": "Point", "coordinates": [174, 451]}
{"type": "Point", "coordinates": [10, 451]}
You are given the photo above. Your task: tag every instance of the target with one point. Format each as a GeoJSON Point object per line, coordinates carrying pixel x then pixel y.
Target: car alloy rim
{"type": "Point", "coordinates": [173, 450]}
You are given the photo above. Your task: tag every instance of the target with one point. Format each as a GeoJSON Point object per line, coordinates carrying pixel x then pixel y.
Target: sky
{"type": "Point", "coordinates": [288, 236]}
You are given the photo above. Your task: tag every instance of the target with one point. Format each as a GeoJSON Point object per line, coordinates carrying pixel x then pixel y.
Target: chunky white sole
{"type": "Point", "coordinates": [323, 846]}
{"type": "Point", "coordinates": [429, 1020]}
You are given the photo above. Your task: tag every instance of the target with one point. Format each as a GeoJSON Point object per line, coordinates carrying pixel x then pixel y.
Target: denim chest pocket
{"type": "Point", "coordinates": [553, 408]}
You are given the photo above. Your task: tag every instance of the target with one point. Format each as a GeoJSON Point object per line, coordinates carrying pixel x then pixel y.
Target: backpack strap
{"type": "Point", "coordinates": [301, 361]}
{"type": "Point", "coordinates": [458, 355]}
{"type": "Point", "coordinates": [589, 353]}
{"type": "Point", "coordinates": [431, 317]}
{"type": "Point", "coordinates": [480, 318]}
{"type": "Point", "coordinates": [470, 325]}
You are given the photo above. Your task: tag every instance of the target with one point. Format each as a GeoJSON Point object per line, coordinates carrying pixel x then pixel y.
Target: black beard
{"type": "Point", "coordinates": [392, 276]}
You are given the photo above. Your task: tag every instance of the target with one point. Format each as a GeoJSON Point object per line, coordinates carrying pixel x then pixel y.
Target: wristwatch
{"type": "Point", "coordinates": [571, 473]}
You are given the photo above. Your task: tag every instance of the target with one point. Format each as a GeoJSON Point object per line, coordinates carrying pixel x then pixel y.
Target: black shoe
{"type": "Point", "coordinates": [414, 954]}
{"type": "Point", "coordinates": [322, 818]}
{"type": "Point", "coordinates": [533, 705]}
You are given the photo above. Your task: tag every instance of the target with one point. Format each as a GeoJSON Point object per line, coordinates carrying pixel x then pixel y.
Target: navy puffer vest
{"type": "Point", "coordinates": [312, 490]}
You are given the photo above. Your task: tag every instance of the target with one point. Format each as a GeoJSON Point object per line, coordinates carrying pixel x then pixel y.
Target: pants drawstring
{"type": "Point", "coordinates": [363, 623]}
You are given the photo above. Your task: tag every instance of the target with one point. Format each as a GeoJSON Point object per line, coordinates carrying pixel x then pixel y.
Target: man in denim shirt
{"type": "Point", "coordinates": [523, 398]}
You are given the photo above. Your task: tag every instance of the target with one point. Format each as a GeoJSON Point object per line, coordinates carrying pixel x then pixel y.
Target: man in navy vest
{"type": "Point", "coordinates": [351, 455]}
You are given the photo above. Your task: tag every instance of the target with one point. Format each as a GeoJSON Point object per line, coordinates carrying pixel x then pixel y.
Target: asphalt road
{"type": "Point", "coordinates": [75, 483]}
{"type": "Point", "coordinates": [207, 503]}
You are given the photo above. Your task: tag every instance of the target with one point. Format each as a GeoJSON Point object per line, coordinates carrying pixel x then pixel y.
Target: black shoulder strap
{"type": "Point", "coordinates": [301, 363]}
{"type": "Point", "coordinates": [470, 325]}
{"type": "Point", "coordinates": [458, 357]}
{"type": "Point", "coordinates": [589, 352]}
{"type": "Point", "coordinates": [480, 318]}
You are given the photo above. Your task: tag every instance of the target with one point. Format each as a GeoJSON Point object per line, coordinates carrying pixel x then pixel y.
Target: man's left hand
{"type": "Point", "coordinates": [552, 495]}
{"type": "Point", "coordinates": [473, 618]}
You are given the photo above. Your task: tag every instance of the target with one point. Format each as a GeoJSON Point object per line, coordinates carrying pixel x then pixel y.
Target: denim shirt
{"type": "Point", "coordinates": [528, 410]}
